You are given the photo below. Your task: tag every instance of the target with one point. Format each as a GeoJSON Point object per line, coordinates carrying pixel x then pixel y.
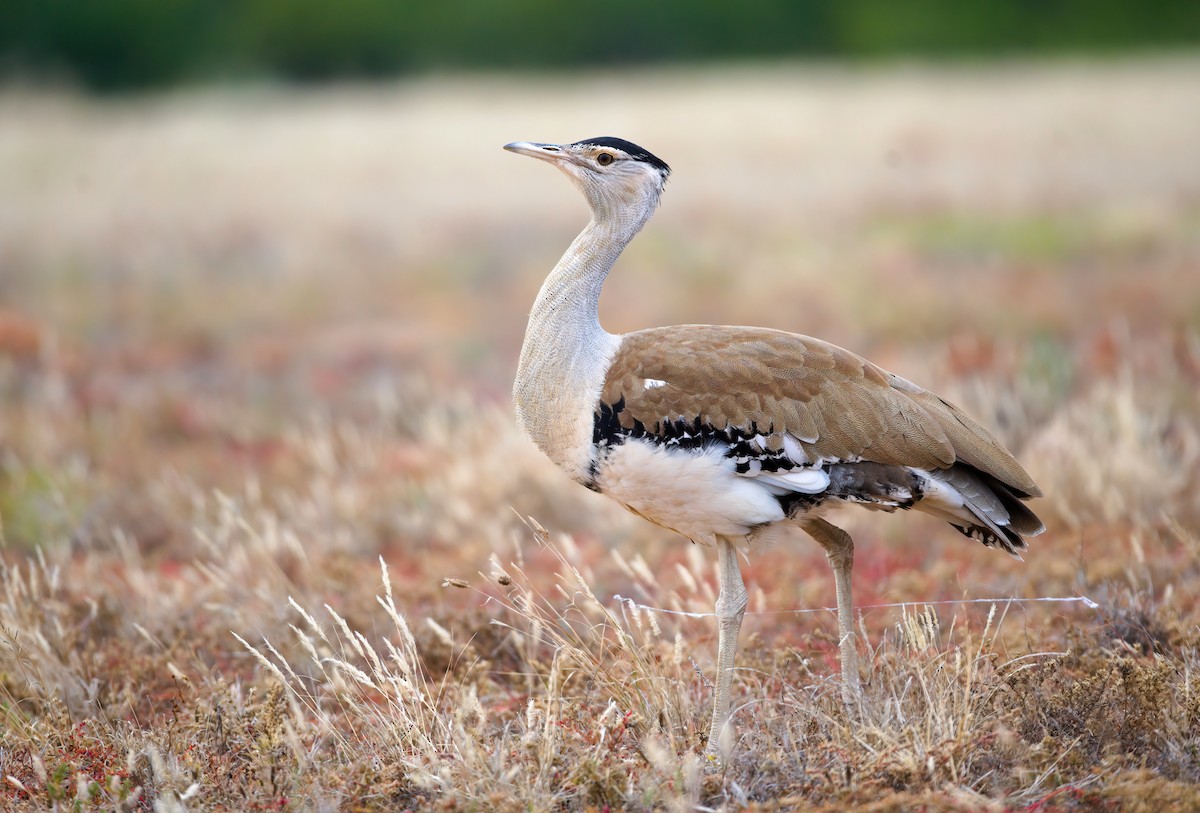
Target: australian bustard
{"type": "Point", "coordinates": [719, 432]}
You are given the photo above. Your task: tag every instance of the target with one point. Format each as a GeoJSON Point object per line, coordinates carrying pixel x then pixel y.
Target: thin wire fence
{"type": "Point", "coordinates": [1084, 600]}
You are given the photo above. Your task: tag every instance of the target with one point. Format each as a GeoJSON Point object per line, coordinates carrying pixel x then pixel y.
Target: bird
{"type": "Point", "coordinates": [720, 433]}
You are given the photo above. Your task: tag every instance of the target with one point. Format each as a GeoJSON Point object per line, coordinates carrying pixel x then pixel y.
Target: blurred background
{"type": "Point", "coordinates": [219, 220]}
{"type": "Point", "coordinates": [118, 45]}
{"type": "Point", "coordinates": [264, 275]}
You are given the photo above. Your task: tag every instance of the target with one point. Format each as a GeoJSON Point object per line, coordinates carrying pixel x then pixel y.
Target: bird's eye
{"type": "Point", "coordinates": [604, 159]}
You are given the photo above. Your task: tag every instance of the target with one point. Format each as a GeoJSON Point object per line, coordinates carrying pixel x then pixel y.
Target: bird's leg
{"type": "Point", "coordinates": [839, 548]}
{"type": "Point", "coordinates": [731, 606]}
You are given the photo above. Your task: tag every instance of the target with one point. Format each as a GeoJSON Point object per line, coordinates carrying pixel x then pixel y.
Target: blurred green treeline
{"type": "Point", "coordinates": [130, 44]}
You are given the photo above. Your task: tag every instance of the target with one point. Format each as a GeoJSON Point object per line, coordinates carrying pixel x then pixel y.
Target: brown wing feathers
{"type": "Point", "coordinates": [749, 382]}
{"type": "Point", "coordinates": [839, 406]}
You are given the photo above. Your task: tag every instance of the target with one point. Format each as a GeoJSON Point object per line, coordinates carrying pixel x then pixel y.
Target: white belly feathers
{"type": "Point", "coordinates": [695, 493]}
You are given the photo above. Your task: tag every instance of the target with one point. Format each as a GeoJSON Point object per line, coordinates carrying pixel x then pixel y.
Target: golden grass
{"type": "Point", "coordinates": [270, 539]}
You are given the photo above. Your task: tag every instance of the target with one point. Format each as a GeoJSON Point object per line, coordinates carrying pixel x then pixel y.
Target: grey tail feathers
{"type": "Point", "coordinates": [1003, 520]}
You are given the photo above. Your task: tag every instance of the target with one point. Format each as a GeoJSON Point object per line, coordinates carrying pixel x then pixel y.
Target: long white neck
{"type": "Point", "coordinates": [566, 352]}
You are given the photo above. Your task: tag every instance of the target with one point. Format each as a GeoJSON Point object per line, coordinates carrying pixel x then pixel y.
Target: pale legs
{"type": "Point", "coordinates": [839, 549]}
{"type": "Point", "coordinates": [731, 606]}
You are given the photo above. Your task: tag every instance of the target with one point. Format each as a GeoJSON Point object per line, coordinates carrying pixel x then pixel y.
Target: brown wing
{"type": "Point", "coordinates": [834, 404]}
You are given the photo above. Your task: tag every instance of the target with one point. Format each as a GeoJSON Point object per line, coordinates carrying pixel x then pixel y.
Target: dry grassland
{"type": "Point", "coordinates": [271, 542]}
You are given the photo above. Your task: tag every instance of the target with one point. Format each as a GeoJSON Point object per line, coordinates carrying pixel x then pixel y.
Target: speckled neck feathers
{"type": "Point", "coordinates": [566, 352]}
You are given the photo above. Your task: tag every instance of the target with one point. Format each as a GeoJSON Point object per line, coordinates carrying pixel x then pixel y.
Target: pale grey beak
{"type": "Point", "coordinates": [547, 152]}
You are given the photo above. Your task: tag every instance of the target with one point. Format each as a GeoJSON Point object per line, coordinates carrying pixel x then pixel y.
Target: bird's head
{"type": "Point", "coordinates": [614, 175]}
